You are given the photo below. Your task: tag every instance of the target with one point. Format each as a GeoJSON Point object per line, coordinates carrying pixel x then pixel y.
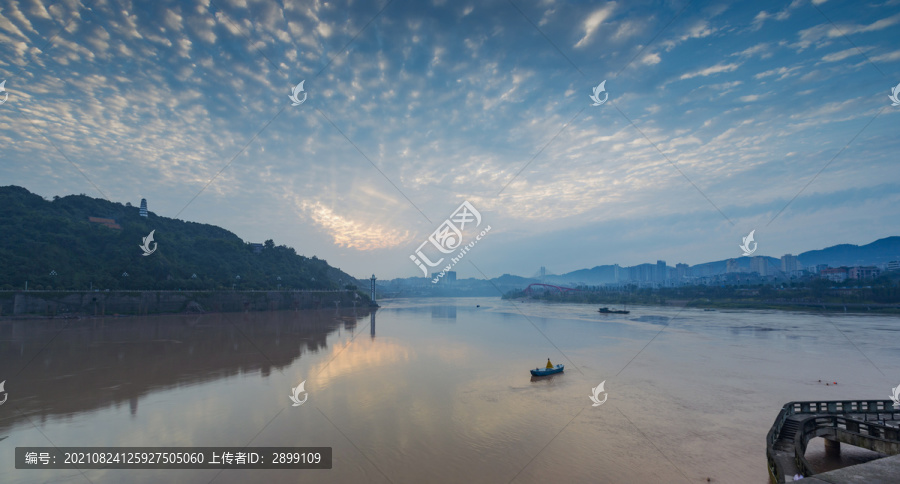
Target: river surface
{"type": "Point", "coordinates": [439, 390]}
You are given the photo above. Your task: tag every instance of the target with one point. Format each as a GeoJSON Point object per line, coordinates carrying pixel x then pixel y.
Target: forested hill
{"type": "Point", "coordinates": [53, 245]}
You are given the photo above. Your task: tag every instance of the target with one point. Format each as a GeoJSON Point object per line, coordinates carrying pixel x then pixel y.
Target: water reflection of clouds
{"type": "Point", "coordinates": [355, 355]}
{"type": "Point", "coordinates": [450, 353]}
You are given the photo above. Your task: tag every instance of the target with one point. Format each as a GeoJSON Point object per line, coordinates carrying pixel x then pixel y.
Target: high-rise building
{"type": "Point", "coordinates": [682, 271]}
{"type": "Point", "coordinates": [143, 207]}
{"type": "Point", "coordinates": [789, 263]}
{"type": "Point", "coordinates": [759, 265]}
{"type": "Point", "coordinates": [645, 272]}
{"type": "Point", "coordinates": [661, 271]}
{"type": "Point", "coordinates": [448, 277]}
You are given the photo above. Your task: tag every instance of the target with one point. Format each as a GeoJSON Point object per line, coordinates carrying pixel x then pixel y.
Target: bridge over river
{"type": "Point", "coordinates": [870, 424]}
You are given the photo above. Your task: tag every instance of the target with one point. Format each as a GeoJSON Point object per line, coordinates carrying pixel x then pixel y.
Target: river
{"type": "Point", "coordinates": [439, 390]}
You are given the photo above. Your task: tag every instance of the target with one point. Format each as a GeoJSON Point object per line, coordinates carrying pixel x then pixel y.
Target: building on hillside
{"type": "Point", "coordinates": [257, 248]}
{"type": "Point", "coordinates": [863, 272]}
{"type": "Point", "coordinates": [640, 273]}
{"type": "Point", "coordinates": [731, 265]}
{"type": "Point", "coordinates": [703, 270]}
{"type": "Point", "coordinates": [893, 265]}
{"type": "Point", "coordinates": [834, 274]}
{"type": "Point", "coordinates": [449, 276]}
{"type": "Point", "coordinates": [789, 263]}
{"type": "Point", "coordinates": [143, 207]}
{"type": "Point", "coordinates": [661, 271]}
{"type": "Point", "coordinates": [644, 272]}
{"type": "Point", "coordinates": [760, 265]}
{"type": "Point", "coordinates": [106, 222]}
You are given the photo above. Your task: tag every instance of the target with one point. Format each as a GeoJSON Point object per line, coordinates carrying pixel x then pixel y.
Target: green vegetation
{"type": "Point", "coordinates": [40, 237]}
{"type": "Point", "coordinates": [885, 290]}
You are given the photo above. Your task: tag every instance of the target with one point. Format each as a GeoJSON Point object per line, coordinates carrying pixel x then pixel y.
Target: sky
{"type": "Point", "coordinates": [718, 118]}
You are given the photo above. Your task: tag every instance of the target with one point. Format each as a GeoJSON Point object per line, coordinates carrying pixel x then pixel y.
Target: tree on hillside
{"type": "Point", "coordinates": [42, 236]}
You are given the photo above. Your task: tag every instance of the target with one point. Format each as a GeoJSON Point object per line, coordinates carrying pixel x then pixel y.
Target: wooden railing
{"type": "Point", "coordinates": [824, 418]}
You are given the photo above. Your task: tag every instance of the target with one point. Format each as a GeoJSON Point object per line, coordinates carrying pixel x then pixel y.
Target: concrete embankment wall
{"type": "Point", "coordinates": [61, 303]}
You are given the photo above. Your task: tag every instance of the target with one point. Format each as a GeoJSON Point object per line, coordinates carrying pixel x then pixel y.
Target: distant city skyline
{"type": "Point", "coordinates": [789, 265]}
{"type": "Point", "coordinates": [720, 120]}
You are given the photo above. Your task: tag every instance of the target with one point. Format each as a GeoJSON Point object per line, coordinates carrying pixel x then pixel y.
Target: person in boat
{"type": "Point", "coordinates": [549, 365]}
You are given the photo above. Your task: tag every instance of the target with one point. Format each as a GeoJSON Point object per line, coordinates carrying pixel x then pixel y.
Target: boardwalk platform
{"type": "Point", "coordinates": [881, 471]}
{"type": "Point", "coordinates": [870, 424]}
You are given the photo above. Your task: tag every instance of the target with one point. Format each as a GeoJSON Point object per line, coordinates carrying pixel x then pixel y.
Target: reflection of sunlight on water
{"type": "Point", "coordinates": [352, 356]}
{"type": "Point", "coordinates": [452, 354]}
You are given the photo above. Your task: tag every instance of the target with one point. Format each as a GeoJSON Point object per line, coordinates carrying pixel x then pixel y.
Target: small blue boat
{"type": "Point", "coordinates": [548, 371]}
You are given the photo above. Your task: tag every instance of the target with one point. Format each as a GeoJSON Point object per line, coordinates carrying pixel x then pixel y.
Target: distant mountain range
{"type": "Point", "coordinates": [876, 253]}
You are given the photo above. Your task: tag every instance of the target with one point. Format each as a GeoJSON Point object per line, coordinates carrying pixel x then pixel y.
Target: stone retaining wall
{"type": "Point", "coordinates": [63, 303]}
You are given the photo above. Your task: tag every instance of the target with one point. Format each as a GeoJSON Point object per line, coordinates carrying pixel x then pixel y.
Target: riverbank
{"type": "Point", "coordinates": [76, 304]}
{"type": "Point", "coordinates": [725, 304]}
